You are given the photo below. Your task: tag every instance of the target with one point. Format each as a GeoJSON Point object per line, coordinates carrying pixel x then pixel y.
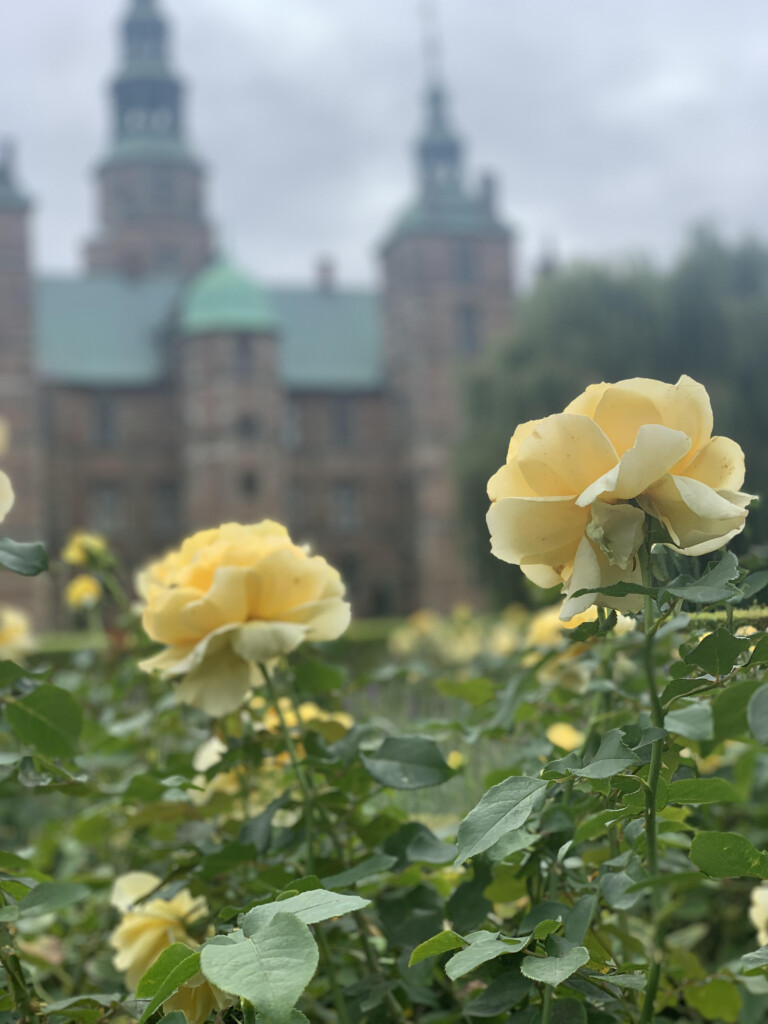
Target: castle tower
{"type": "Point", "coordinates": [150, 187]}
{"type": "Point", "coordinates": [447, 294]}
{"type": "Point", "coordinates": [19, 397]}
{"type": "Point", "coordinates": [231, 400]}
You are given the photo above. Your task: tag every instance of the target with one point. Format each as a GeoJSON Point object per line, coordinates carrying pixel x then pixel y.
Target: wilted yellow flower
{"type": "Point", "coordinates": [758, 912]}
{"type": "Point", "coordinates": [82, 592]}
{"type": "Point", "coordinates": [150, 926]}
{"type": "Point", "coordinates": [565, 505]}
{"type": "Point", "coordinates": [563, 735]}
{"type": "Point", "coordinates": [81, 547]}
{"type": "Point", "coordinates": [230, 597]}
{"type": "Point", "coordinates": [15, 632]}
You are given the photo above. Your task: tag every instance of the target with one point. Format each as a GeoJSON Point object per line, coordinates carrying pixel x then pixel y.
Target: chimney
{"type": "Point", "coordinates": [325, 275]}
{"type": "Point", "coordinates": [488, 193]}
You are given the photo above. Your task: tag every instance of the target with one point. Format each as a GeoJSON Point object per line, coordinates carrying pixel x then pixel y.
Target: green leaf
{"type": "Point", "coordinates": [506, 990]}
{"type": "Point", "coordinates": [717, 653]}
{"type": "Point", "coordinates": [701, 791]}
{"type": "Point", "coordinates": [407, 762]}
{"type": "Point", "coordinates": [484, 946]}
{"type": "Point", "coordinates": [553, 970]}
{"type": "Point", "coordinates": [50, 896]}
{"type": "Point", "coordinates": [760, 654]}
{"type": "Point", "coordinates": [713, 586]}
{"type": "Point", "coordinates": [681, 687]}
{"type": "Point", "coordinates": [183, 971]}
{"type": "Point", "coordinates": [757, 715]}
{"type": "Point", "coordinates": [358, 872]}
{"type": "Point", "coordinates": [23, 559]}
{"type": "Point", "coordinates": [716, 1000]}
{"type": "Point", "coordinates": [755, 962]}
{"type": "Point", "coordinates": [97, 999]}
{"type": "Point", "coordinates": [166, 963]}
{"type": "Point", "coordinates": [444, 942]}
{"type": "Point", "coordinates": [504, 808]}
{"type": "Point", "coordinates": [309, 907]}
{"type": "Point", "coordinates": [751, 586]}
{"type": "Point", "coordinates": [475, 691]}
{"type": "Point", "coordinates": [48, 719]}
{"type": "Point", "coordinates": [414, 843]}
{"type": "Point", "coordinates": [616, 889]}
{"type": "Point", "coordinates": [692, 719]}
{"type": "Point", "coordinates": [730, 709]}
{"type": "Point", "coordinates": [612, 757]}
{"type": "Point", "coordinates": [579, 918]}
{"type": "Point", "coordinates": [728, 855]}
{"type": "Point", "coordinates": [618, 590]}
{"type": "Point", "coordinates": [596, 824]}
{"type": "Point", "coordinates": [312, 678]}
{"type": "Point", "coordinates": [270, 969]}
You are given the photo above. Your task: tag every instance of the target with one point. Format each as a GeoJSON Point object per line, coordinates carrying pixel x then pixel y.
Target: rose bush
{"type": "Point", "coordinates": [569, 504]}
{"type": "Point", "coordinates": [230, 598]}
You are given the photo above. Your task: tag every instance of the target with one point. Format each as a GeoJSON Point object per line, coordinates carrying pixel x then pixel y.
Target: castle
{"type": "Point", "coordinates": [163, 390]}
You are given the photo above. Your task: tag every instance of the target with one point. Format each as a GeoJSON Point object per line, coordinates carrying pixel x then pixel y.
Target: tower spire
{"type": "Point", "coordinates": [432, 43]}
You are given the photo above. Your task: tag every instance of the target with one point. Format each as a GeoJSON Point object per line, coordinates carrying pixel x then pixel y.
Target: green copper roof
{"type": "Point", "coordinates": [107, 332]}
{"type": "Point", "coordinates": [331, 339]}
{"type": "Point", "coordinates": [102, 331]}
{"type": "Point", "coordinates": [222, 298]}
{"type": "Point", "coordinates": [455, 215]}
{"type": "Point", "coordinates": [142, 149]}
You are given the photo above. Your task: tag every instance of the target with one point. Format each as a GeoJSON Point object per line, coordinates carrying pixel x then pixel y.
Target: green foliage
{"type": "Point", "coordinates": [23, 559]}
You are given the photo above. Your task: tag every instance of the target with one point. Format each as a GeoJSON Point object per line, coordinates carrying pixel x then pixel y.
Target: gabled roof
{"type": "Point", "coordinates": [106, 331]}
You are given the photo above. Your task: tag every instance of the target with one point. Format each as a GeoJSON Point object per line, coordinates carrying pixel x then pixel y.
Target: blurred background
{"type": "Point", "coordinates": [317, 260]}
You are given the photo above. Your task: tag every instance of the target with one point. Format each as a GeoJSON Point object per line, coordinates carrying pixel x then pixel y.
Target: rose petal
{"type": "Point", "coordinates": [218, 686]}
{"type": "Point", "coordinates": [6, 496]}
{"type": "Point", "coordinates": [262, 641]}
{"type": "Point", "coordinates": [656, 449]}
{"type": "Point", "coordinates": [563, 454]}
{"type": "Point", "coordinates": [543, 531]}
{"type": "Point", "coordinates": [542, 575]}
{"type": "Point", "coordinates": [699, 520]}
{"type": "Point", "coordinates": [131, 888]}
{"type": "Point", "coordinates": [719, 465]}
{"type": "Point", "coordinates": [592, 569]}
{"type": "Point", "coordinates": [509, 482]}
{"type": "Point", "coordinates": [617, 530]}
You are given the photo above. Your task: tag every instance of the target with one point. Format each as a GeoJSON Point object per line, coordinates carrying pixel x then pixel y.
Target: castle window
{"type": "Point", "coordinates": [464, 263]}
{"type": "Point", "coordinates": [293, 426]}
{"type": "Point", "coordinates": [244, 354]}
{"type": "Point", "coordinates": [247, 427]}
{"type": "Point", "coordinates": [468, 329]}
{"type": "Point", "coordinates": [249, 484]}
{"type": "Point", "coordinates": [104, 419]}
{"type": "Point", "coordinates": [341, 423]}
{"type": "Point", "coordinates": [165, 511]}
{"type": "Point", "coordinates": [135, 121]}
{"type": "Point", "coordinates": [161, 121]}
{"type": "Point", "coordinates": [106, 506]}
{"type": "Point", "coordinates": [345, 501]}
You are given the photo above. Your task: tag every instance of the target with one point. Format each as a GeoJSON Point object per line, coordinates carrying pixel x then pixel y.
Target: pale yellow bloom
{"type": "Point", "coordinates": [81, 547]}
{"type": "Point", "coordinates": [758, 912]}
{"type": "Point", "coordinates": [456, 760]}
{"type": "Point", "coordinates": [331, 724]}
{"type": "Point", "coordinates": [231, 597]}
{"type": "Point", "coordinates": [569, 504]}
{"type": "Point", "coordinates": [82, 592]}
{"type": "Point", "coordinates": [547, 628]}
{"type": "Point", "coordinates": [147, 927]}
{"type": "Point", "coordinates": [15, 632]}
{"type": "Point", "coordinates": [563, 735]}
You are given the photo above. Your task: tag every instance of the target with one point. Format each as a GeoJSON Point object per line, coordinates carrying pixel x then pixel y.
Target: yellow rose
{"type": "Point", "coordinates": [231, 597]}
{"type": "Point", "coordinates": [15, 632]}
{"type": "Point", "coordinates": [150, 926]}
{"type": "Point", "coordinates": [547, 628]}
{"type": "Point", "coordinates": [83, 592]}
{"type": "Point", "coordinates": [758, 912]}
{"type": "Point", "coordinates": [82, 546]}
{"type": "Point", "coordinates": [569, 504]}
{"type": "Point", "coordinates": [563, 735]}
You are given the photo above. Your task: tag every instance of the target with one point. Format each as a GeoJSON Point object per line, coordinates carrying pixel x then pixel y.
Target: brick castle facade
{"type": "Point", "coordinates": [164, 390]}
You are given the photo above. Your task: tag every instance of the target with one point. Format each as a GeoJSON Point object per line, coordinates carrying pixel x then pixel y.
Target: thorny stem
{"type": "Point", "coordinates": [651, 837]}
{"type": "Point", "coordinates": [308, 801]}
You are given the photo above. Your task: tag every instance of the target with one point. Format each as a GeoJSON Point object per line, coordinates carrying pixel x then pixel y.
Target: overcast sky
{"type": "Point", "coordinates": [612, 125]}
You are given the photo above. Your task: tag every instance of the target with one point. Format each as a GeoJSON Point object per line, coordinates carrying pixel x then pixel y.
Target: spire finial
{"type": "Point", "coordinates": [433, 43]}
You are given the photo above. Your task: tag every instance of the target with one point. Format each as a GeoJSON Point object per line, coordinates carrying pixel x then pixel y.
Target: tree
{"type": "Point", "coordinates": [707, 317]}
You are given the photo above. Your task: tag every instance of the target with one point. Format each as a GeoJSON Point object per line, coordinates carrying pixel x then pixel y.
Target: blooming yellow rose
{"type": "Point", "coordinates": [569, 504]}
{"type": "Point", "coordinates": [563, 735]}
{"type": "Point", "coordinates": [758, 912]}
{"type": "Point", "coordinates": [82, 592]}
{"type": "Point", "coordinates": [149, 926]}
{"type": "Point", "coordinates": [82, 546]}
{"type": "Point", "coordinates": [15, 632]}
{"type": "Point", "coordinates": [231, 597]}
